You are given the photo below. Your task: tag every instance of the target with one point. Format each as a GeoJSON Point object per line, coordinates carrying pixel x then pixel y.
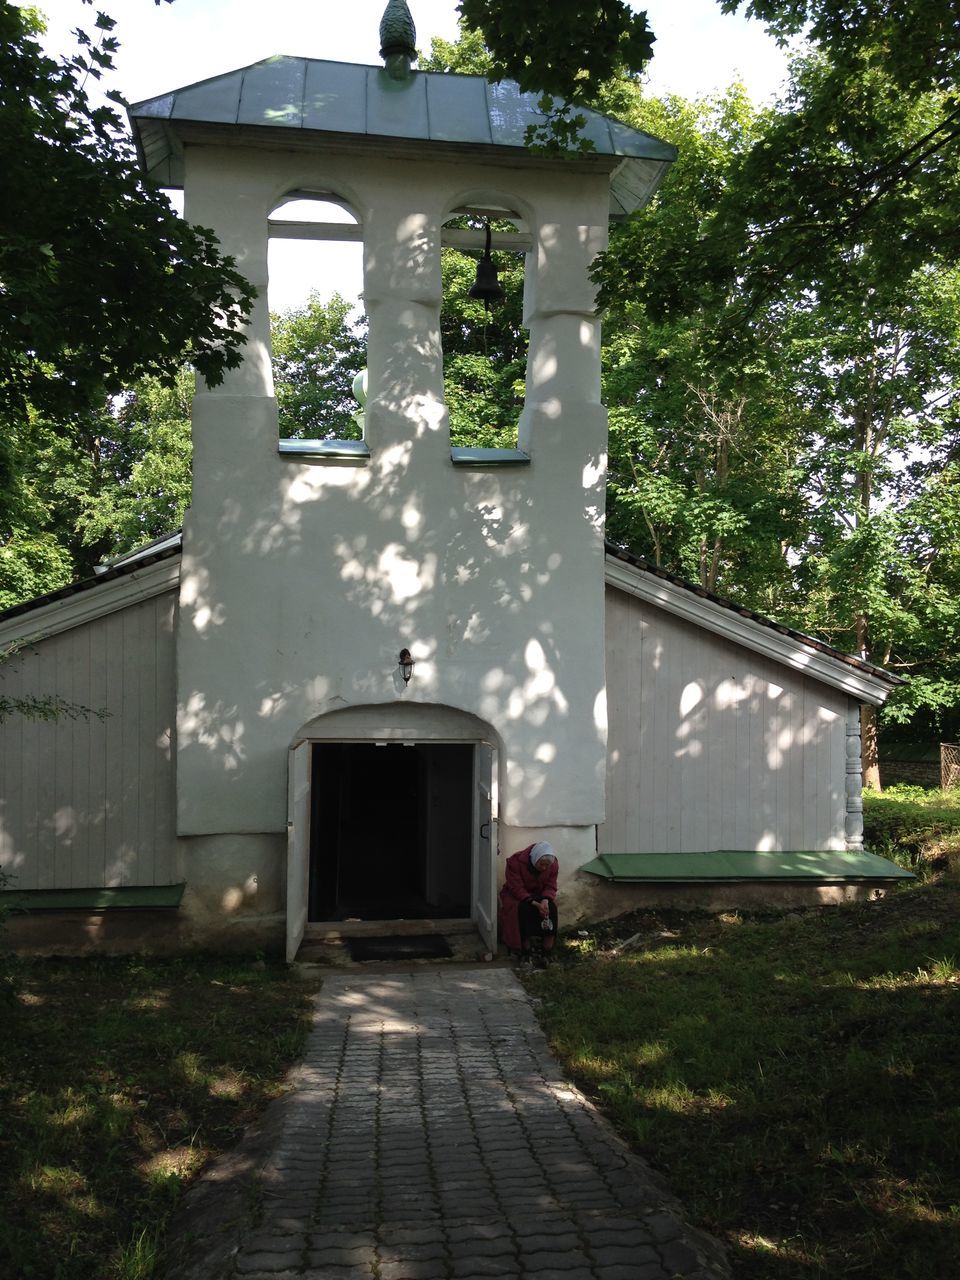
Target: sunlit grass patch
{"type": "Point", "coordinates": [176, 1162]}
{"type": "Point", "coordinates": [227, 1085]}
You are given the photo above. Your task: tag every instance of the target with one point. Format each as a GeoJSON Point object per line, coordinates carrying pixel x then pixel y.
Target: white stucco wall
{"type": "Point", "coordinates": [302, 580]}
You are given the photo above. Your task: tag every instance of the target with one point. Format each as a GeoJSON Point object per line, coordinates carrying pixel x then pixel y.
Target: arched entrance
{"type": "Point", "coordinates": [392, 816]}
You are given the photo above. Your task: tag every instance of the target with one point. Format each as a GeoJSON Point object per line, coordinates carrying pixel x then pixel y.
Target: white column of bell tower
{"type": "Point", "coordinates": [563, 427]}
{"type": "Point", "coordinates": [402, 295]}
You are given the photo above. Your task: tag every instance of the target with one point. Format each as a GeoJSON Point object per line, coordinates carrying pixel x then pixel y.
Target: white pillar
{"type": "Point", "coordinates": [854, 787]}
{"type": "Point", "coordinates": [402, 295]}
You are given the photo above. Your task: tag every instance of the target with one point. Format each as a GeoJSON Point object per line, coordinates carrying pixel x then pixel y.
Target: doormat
{"type": "Point", "coordinates": [413, 946]}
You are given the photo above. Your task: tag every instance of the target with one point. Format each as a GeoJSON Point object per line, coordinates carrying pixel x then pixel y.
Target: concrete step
{"type": "Point", "coordinates": [325, 943]}
{"type": "Point", "coordinates": [334, 930]}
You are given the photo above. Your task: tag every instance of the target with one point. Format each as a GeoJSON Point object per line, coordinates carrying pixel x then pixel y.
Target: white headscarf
{"type": "Point", "coordinates": [541, 850]}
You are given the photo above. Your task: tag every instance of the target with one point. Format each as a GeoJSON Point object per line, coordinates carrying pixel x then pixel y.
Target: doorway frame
{"type": "Point", "coordinates": [396, 723]}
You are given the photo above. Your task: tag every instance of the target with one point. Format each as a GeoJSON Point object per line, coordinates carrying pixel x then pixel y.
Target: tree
{"type": "Point", "coordinates": [87, 490]}
{"type": "Point", "coordinates": [317, 352]}
{"type": "Point", "coordinates": [484, 352]}
{"type": "Point", "coordinates": [784, 445]}
{"type": "Point", "coordinates": [139, 480]}
{"type": "Point", "coordinates": [853, 159]}
{"type": "Point", "coordinates": [563, 49]}
{"type": "Point", "coordinates": [878, 367]}
{"type": "Point", "coordinates": [930, 655]}
{"type": "Point", "coordinates": [915, 42]}
{"type": "Point", "coordinates": [102, 282]}
{"type": "Point", "coordinates": [824, 170]}
{"type": "Point", "coordinates": [558, 44]}
{"type": "Point", "coordinates": [704, 436]}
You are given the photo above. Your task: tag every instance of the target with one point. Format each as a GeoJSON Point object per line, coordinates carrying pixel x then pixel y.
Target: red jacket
{"type": "Point", "coordinates": [522, 881]}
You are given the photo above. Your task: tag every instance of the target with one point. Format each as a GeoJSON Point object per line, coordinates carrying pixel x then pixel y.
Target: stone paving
{"type": "Point", "coordinates": [429, 1135]}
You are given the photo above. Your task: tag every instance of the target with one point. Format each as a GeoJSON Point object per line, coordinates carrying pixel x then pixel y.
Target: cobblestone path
{"type": "Point", "coordinates": [431, 1136]}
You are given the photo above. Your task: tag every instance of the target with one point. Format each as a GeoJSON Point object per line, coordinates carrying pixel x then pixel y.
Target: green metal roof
{"type": "Point", "coordinates": [310, 95]}
{"type": "Point", "coordinates": [156, 895]}
{"type": "Point", "coordinates": [464, 456]}
{"type": "Point", "coordinates": [357, 450]}
{"type": "Point", "coordinates": [821, 866]}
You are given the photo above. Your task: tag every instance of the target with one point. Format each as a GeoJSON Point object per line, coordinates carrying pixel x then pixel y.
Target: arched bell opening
{"type": "Point", "coordinates": [318, 327]}
{"type": "Point", "coordinates": [484, 246]}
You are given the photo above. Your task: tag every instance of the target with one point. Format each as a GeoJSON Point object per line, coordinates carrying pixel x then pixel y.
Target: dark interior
{"type": "Point", "coordinates": [390, 831]}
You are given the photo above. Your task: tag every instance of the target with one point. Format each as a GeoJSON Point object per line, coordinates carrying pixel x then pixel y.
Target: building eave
{"type": "Point", "coordinates": [90, 599]}
{"type": "Point", "coordinates": [761, 635]}
{"type": "Point", "coordinates": [304, 102]}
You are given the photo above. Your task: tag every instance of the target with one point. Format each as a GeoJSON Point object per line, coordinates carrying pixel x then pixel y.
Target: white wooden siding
{"type": "Point", "coordinates": [712, 746]}
{"type": "Point", "coordinates": [89, 803]}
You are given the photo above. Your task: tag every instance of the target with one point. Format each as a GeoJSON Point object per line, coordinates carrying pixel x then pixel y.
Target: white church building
{"type": "Point", "coordinates": [370, 670]}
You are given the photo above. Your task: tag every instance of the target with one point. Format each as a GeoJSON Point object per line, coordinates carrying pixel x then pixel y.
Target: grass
{"type": "Point", "coordinates": [119, 1080]}
{"type": "Point", "coordinates": [916, 827]}
{"type": "Point", "coordinates": [797, 1079]}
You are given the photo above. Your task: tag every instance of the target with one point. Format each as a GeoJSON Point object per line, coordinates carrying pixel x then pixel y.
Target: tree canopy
{"type": "Point", "coordinates": [566, 48]}
{"type": "Point", "coordinates": [101, 283]}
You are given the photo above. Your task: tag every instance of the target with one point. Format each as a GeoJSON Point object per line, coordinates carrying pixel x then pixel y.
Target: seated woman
{"type": "Point", "coordinates": [528, 907]}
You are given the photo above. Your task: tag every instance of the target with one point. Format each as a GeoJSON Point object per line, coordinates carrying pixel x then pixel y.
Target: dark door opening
{"type": "Point", "coordinates": [390, 830]}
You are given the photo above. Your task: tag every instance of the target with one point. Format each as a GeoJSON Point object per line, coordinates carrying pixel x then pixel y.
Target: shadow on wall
{"type": "Point", "coordinates": [415, 554]}
{"type": "Point", "coordinates": [88, 801]}
{"type": "Point", "coordinates": [715, 747]}
{"type": "Point", "coordinates": [443, 591]}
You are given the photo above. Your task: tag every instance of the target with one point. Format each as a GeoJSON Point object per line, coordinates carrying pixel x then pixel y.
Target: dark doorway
{"type": "Point", "coordinates": [391, 830]}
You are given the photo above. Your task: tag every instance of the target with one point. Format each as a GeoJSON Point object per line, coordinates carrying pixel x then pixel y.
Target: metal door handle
{"type": "Point", "coordinates": [484, 830]}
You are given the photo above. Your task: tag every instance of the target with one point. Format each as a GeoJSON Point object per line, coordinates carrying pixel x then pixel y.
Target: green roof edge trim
{"type": "Point", "coordinates": [464, 456]}
{"type": "Point", "coordinates": [731, 865]}
{"type": "Point", "coordinates": [358, 450]}
{"type": "Point", "coordinates": [155, 895]}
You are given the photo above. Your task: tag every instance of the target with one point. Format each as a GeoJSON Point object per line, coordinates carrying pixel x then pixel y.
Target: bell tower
{"type": "Point", "coordinates": [308, 569]}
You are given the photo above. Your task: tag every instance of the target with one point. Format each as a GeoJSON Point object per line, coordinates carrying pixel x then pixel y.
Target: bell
{"type": "Point", "coordinates": [487, 288]}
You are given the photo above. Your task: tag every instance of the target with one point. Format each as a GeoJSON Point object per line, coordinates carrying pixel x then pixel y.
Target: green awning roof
{"type": "Point", "coordinates": [153, 895]}
{"type": "Point", "coordinates": [822, 866]}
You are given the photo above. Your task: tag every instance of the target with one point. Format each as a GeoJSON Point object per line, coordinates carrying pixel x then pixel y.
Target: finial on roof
{"type": "Point", "coordinates": [398, 39]}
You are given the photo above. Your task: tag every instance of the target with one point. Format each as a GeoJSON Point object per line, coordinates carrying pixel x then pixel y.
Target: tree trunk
{"type": "Point", "coordinates": [869, 754]}
{"type": "Point", "coordinates": [869, 748]}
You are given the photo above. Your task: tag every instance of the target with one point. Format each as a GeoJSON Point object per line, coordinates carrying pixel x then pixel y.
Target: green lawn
{"type": "Point", "coordinates": [797, 1079]}
{"type": "Point", "coordinates": [119, 1080]}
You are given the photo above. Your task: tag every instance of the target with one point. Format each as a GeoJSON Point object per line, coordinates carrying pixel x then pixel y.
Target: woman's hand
{"type": "Point", "coordinates": [543, 906]}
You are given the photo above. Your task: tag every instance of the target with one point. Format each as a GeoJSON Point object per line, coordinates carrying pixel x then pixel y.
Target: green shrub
{"type": "Point", "coordinates": [913, 826]}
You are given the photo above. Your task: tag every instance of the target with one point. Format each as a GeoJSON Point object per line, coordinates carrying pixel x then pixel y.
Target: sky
{"type": "Point", "coordinates": [699, 50]}
{"type": "Point", "coordinates": [164, 46]}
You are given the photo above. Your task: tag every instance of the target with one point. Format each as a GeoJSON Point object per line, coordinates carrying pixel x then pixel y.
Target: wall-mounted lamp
{"type": "Point", "coordinates": [406, 665]}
